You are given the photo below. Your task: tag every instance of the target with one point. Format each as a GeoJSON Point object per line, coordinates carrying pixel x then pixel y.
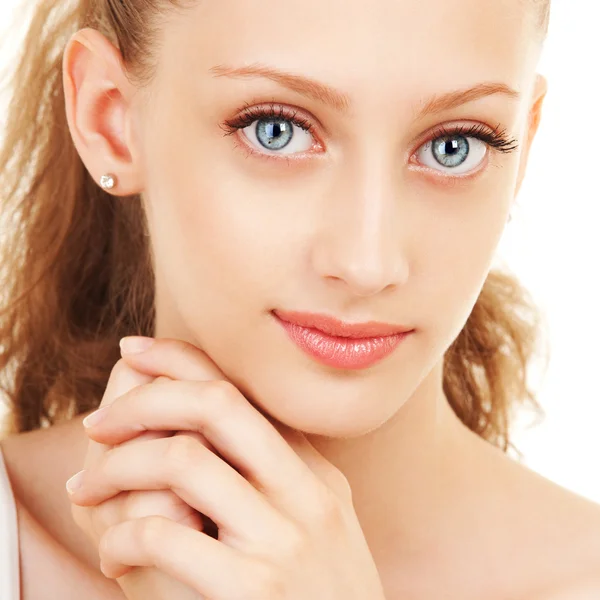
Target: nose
{"type": "Point", "coordinates": [358, 242]}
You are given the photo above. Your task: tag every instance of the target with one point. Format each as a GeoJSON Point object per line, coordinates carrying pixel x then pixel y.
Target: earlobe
{"type": "Point", "coordinates": [97, 97]}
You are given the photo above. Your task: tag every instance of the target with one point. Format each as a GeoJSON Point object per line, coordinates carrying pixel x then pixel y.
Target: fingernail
{"type": "Point", "coordinates": [75, 482]}
{"type": "Point", "coordinates": [95, 417]}
{"type": "Point", "coordinates": [135, 344]}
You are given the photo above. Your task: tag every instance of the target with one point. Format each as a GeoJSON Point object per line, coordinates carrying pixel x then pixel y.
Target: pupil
{"type": "Point", "coordinates": [272, 133]}
{"type": "Point", "coordinates": [451, 152]}
{"type": "Point", "coordinates": [451, 145]}
{"type": "Point", "coordinates": [274, 130]}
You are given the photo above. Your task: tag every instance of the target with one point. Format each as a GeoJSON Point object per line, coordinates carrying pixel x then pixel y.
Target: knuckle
{"type": "Point", "coordinates": [105, 545]}
{"type": "Point", "coordinates": [223, 392]}
{"type": "Point", "coordinates": [99, 518]}
{"type": "Point", "coordinates": [181, 451]}
{"type": "Point", "coordinates": [295, 544]}
{"type": "Point", "coordinates": [190, 351]}
{"type": "Point", "coordinates": [151, 502]}
{"type": "Point", "coordinates": [219, 398]}
{"type": "Point", "coordinates": [149, 532]}
{"type": "Point", "coordinates": [265, 581]}
{"type": "Point", "coordinates": [327, 511]}
{"type": "Point", "coordinates": [163, 503]}
{"type": "Point", "coordinates": [223, 398]}
{"type": "Point", "coordinates": [119, 368]}
{"type": "Point", "coordinates": [118, 373]}
{"type": "Point", "coordinates": [137, 393]}
{"type": "Point", "coordinates": [107, 464]}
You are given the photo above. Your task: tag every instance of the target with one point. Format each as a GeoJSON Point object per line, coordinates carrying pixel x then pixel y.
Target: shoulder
{"type": "Point", "coordinates": [584, 584]}
{"type": "Point", "coordinates": [565, 529]}
{"type": "Point", "coordinates": [546, 536]}
{"type": "Point", "coordinates": [38, 463]}
{"type": "Point", "coordinates": [585, 588]}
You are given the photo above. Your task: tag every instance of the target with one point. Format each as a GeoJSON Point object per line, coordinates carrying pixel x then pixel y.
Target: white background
{"type": "Point", "coordinates": [552, 244]}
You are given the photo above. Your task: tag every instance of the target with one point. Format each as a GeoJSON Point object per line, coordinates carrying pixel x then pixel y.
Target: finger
{"type": "Point", "coordinates": [151, 435]}
{"type": "Point", "coordinates": [173, 358]}
{"type": "Point", "coordinates": [132, 505]}
{"type": "Point", "coordinates": [206, 565]}
{"type": "Point", "coordinates": [201, 479]}
{"type": "Point", "coordinates": [181, 360]}
{"type": "Point", "coordinates": [168, 359]}
{"type": "Point", "coordinates": [177, 359]}
{"type": "Point", "coordinates": [122, 379]}
{"type": "Point", "coordinates": [241, 435]}
{"type": "Point", "coordinates": [127, 506]}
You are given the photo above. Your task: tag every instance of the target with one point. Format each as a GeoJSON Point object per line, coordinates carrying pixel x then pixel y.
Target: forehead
{"type": "Point", "coordinates": [384, 45]}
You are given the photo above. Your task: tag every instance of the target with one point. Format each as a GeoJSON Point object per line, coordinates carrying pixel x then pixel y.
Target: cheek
{"type": "Point", "coordinates": [202, 240]}
{"type": "Point", "coordinates": [244, 228]}
{"type": "Point", "coordinates": [453, 266]}
{"type": "Point", "coordinates": [223, 244]}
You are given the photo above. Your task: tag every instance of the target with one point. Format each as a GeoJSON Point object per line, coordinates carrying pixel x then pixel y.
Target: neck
{"type": "Point", "coordinates": [400, 472]}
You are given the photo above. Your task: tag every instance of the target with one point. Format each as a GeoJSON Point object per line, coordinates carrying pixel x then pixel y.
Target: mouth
{"type": "Point", "coordinates": [342, 345]}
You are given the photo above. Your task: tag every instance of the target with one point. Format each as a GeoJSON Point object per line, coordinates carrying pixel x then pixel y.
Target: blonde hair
{"type": "Point", "coordinates": [76, 270]}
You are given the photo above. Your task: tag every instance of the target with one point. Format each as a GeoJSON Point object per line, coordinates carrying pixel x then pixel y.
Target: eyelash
{"type": "Point", "coordinates": [249, 114]}
{"type": "Point", "coordinates": [495, 138]}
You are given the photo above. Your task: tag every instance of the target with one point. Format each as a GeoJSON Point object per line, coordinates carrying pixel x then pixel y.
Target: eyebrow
{"type": "Point", "coordinates": [340, 101]}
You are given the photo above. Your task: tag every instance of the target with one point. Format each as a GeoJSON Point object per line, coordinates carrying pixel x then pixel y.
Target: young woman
{"type": "Point", "coordinates": [297, 207]}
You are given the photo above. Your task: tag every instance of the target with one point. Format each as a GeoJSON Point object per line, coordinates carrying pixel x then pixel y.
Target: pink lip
{"type": "Point", "coordinates": [338, 328]}
{"type": "Point", "coordinates": [345, 350]}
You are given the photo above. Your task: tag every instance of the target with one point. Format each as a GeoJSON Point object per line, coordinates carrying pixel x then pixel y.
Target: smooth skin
{"type": "Point", "coordinates": [358, 222]}
{"type": "Point", "coordinates": [287, 528]}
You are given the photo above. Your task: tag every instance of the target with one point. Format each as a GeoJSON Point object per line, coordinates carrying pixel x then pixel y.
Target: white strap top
{"type": "Point", "coordinates": [9, 540]}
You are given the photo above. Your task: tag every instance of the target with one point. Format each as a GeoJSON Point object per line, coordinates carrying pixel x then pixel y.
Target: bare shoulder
{"type": "Point", "coordinates": [51, 548]}
{"type": "Point", "coordinates": [39, 463]}
{"type": "Point", "coordinates": [584, 581]}
{"type": "Point", "coordinates": [41, 460]}
{"type": "Point", "coordinates": [582, 589]}
{"type": "Point", "coordinates": [564, 537]}
{"type": "Point", "coordinates": [543, 538]}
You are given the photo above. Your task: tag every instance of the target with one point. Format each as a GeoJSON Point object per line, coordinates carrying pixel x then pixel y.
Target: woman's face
{"type": "Point", "coordinates": [360, 216]}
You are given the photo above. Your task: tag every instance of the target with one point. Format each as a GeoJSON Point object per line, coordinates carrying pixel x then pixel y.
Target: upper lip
{"type": "Point", "coordinates": [336, 327]}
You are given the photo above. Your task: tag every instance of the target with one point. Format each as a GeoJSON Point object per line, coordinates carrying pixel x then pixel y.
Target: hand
{"type": "Point", "coordinates": [140, 582]}
{"type": "Point", "coordinates": [287, 527]}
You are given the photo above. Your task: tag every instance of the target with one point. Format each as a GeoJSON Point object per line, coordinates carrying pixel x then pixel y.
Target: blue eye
{"type": "Point", "coordinates": [461, 149]}
{"type": "Point", "coordinates": [278, 134]}
{"type": "Point", "coordinates": [274, 135]}
{"type": "Point", "coordinates": [451, 152]}
{"type": "Point", "coordinates": [274, 128]}
{"type": "Point", "coordinates": [455, 153]}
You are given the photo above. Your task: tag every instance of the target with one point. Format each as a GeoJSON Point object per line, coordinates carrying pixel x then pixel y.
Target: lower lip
{"type": "Point", "coordinates": [342, 352]}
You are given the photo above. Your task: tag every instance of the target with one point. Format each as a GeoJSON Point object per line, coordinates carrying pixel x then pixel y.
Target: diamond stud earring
{"type": "Point", "coordinates": [107, 182]}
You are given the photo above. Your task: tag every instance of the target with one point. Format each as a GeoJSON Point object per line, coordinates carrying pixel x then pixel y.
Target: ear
{"type": "Point", "coordinates": [533, 121]}
{"type": "Point", "coordinates": [97, 102]}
